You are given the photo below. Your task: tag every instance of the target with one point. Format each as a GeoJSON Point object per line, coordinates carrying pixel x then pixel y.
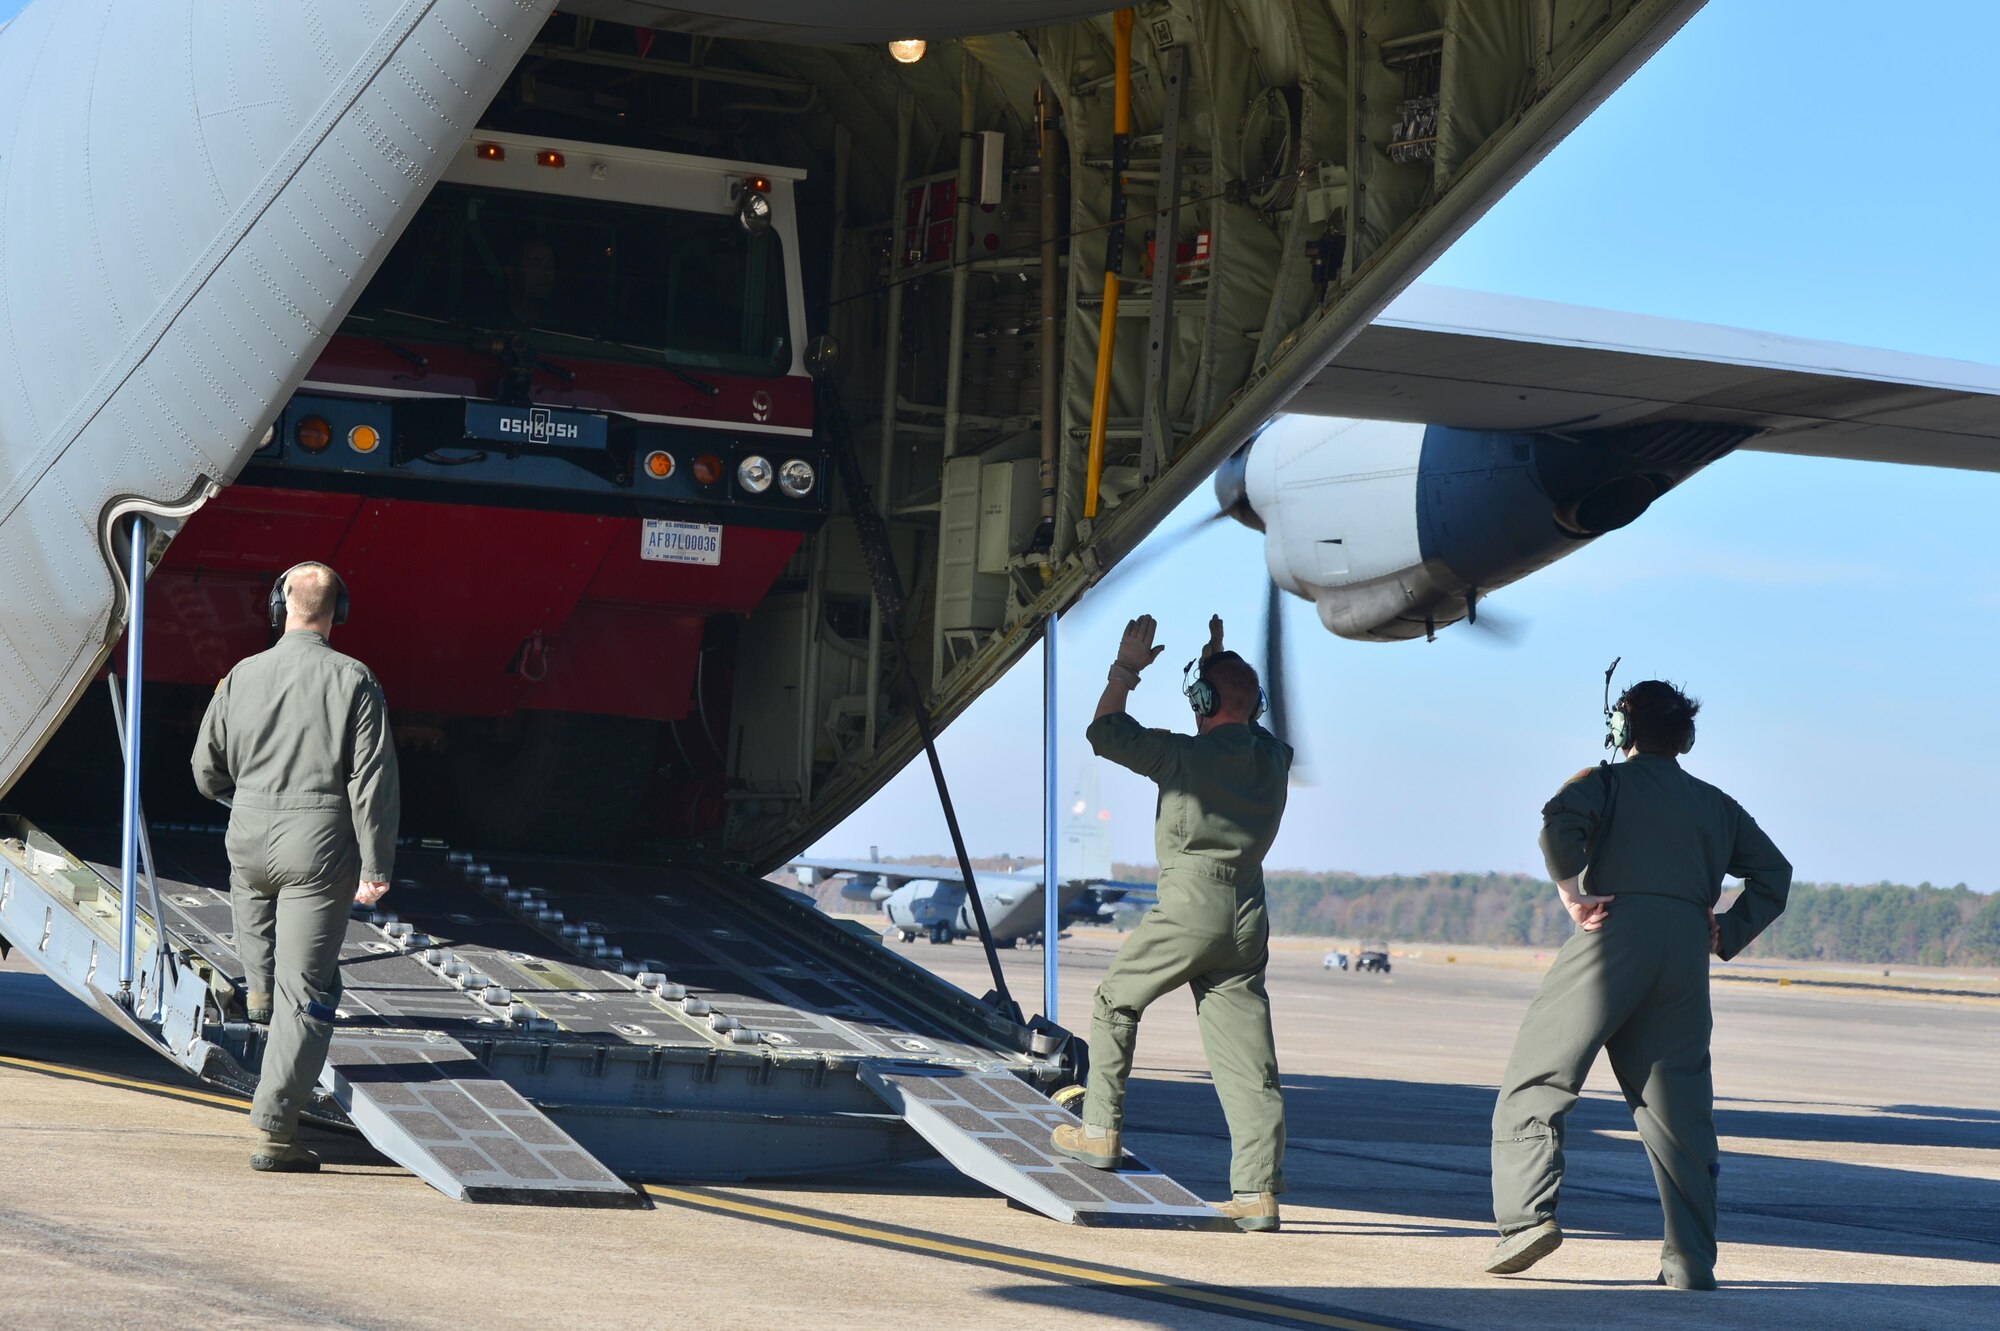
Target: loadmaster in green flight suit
{"type": "Point", "coordinates": [1638, 852]}
{"type": "Point", "coordinates": [296, 741]}
{"type": "Point", "coordinates": [1222, 792]}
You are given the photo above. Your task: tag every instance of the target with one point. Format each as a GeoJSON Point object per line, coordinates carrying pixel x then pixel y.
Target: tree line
{"type": "Point", "coordinates": [1883, 923]}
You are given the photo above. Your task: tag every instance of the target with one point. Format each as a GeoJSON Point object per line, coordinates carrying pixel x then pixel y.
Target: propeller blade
{"type": "Point", "coordinates": [1496, 626]}
{"type": "Point", "coordinates": [1151, 549]}
{"type": "Point", "coordinates": [1283, 724]}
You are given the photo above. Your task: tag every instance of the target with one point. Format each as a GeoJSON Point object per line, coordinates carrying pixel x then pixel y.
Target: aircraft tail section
{"type": "Point", "coordinates": [199, 225]}
{"type": "Point", "coordinates": [1084, 854]}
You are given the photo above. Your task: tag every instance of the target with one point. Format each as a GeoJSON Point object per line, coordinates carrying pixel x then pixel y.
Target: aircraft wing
{"type": "Point", "coordinates": [894, 874]}
{"type": "Point", "coordinates": [1110, 890]}
{"type": "Point", "coordinates": [1105, 894]}
{"type": "Point", "coordinates": [1474, 360]}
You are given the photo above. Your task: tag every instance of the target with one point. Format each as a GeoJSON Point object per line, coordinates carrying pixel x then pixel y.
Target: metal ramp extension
{"type": "Point", "coordinates": [995, 1128]}
{"type": "Point", "coordinates": [424, 1101]}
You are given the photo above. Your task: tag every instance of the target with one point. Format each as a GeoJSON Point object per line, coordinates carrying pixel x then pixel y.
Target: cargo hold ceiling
{"type": "Point", "coordinates": [826, 21]}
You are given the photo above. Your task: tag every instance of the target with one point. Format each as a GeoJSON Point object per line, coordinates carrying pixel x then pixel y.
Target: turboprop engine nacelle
{"type": "Point", "coordinates": [865, 887]}
{"type": "Point", "coordinates": [1393, 530]}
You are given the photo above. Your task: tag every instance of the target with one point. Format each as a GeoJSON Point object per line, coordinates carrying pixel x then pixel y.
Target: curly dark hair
{"type": "Point", "coordinates": [1659, 717]}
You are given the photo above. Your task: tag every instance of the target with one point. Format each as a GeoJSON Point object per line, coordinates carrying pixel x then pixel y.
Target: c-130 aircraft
{"type": "Point", "coordinates": [502, 308]}
{"type": "Point", "coordinates": [934, 901]}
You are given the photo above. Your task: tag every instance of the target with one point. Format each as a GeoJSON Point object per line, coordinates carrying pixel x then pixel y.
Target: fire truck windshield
{"type": "Point", "coordinates": [586, 278]}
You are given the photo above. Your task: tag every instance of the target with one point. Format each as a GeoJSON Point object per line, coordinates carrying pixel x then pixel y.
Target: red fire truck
{"type": "Point", "coordinates": [575, 399]}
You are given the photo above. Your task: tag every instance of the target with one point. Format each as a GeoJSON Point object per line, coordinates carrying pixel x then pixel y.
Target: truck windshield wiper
{"type": "Point", "coordinates": [694, 381]}
{"type": "Point", "coordinates": [416, 359]}
{"type": "Point", "coordinates": [700, 385]}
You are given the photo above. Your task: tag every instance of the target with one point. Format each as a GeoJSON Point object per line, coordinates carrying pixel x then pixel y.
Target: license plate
{"type": "Point", "coordinates": [534, 427]}
{"type": "Point", "coordinates": [681, 542]}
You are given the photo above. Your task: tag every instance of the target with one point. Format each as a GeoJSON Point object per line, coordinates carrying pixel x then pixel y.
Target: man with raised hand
{"type": "Point", "coordinates": [1222, 794]}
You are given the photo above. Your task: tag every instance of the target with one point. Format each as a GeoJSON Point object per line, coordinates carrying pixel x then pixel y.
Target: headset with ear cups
{"type": "Point", "coordinates": [1618, 725]}
{"type": "Point", "coordinates": [278, 595]}
{"type": "Point", "coordinates": [1201, 694]}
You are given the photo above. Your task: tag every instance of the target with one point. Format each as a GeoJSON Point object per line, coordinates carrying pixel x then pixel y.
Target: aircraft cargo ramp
{"type": "Point", "coordinates": [502, 1043]}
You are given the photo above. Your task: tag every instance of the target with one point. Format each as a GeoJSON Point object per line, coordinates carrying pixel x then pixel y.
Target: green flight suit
{"type": "Point", "coordinates": [1221, 797]}
{"type": "Point", "coordinates": [297, 742]}
{"type": "Point", "coordinates": [1661, 842]}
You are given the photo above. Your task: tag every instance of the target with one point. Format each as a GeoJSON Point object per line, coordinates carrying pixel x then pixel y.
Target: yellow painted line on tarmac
{"type": "Point", "coordinates": [123, 1083]}
{"type": "Point", "coordinates": [1136, 1283]}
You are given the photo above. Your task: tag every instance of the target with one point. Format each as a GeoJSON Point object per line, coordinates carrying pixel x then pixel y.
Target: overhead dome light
{"type": "Point", "coordinates": [754, 473]}
{"type": "Point", "coordinates": [908, 51]}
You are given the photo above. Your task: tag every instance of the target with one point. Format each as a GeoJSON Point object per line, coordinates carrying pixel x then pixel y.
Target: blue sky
{"type": "Point", "coordinates": [1777, 166]}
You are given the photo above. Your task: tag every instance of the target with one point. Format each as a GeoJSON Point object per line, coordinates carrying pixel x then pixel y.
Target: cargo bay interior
{"type": "Point", "coordinates": [1280, 156]}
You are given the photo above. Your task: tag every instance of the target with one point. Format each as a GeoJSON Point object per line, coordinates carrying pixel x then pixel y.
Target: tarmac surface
{"type": "Point", "coordinates": [1861, 1188]}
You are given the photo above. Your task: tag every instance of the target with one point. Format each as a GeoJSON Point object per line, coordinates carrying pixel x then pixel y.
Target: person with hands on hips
{"type": "Point", "coordinates": [1222, 794]}
{"type": "Point", "coordinates": [1638, 852]}
{"type": "Point", "coordinates": [296, 742]}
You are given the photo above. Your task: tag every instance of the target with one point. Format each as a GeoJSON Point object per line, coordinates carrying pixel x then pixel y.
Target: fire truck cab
{"type": "Point", "coordinates": [560, 448]}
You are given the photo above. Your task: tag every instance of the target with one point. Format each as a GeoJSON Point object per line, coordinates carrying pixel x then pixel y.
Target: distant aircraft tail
{"type": "Point", "coordinates": [1084, 853]}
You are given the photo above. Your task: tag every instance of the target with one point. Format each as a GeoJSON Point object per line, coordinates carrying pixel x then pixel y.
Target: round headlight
{"type": "Point", "coordinates": [754, 474]}
{"type": "Point", "coordinates": [313, 434]}
{"type": "Point", "coordinates": [796, 478]}
{"type": "Point", "coordinates": [754, 211]}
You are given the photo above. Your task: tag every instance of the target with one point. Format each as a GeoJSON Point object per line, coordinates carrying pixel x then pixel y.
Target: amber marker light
{"type": "Point", "coordinates": [759, 184]}
{"type": "Point", "coordinates": [313, 434]}
{"type": "Point", "coordinates": [548, 157]}
{"type": "Point", "coordinates": [490, 152]}
{"type": "Point", "coordinates": [707, 469]}
{"type": "Point", "coordinates": [660, 464]}
{"type": "Point", "coordinates": [364, 439]}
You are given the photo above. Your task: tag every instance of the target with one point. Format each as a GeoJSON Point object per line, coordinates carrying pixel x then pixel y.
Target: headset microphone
{"type": "Point", "coordinates": [1200, 693]}
{"type": "Point", "coordinates": [1614, 722]}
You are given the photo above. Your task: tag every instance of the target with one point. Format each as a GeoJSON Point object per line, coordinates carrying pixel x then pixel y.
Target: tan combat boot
{"type": "Point", "coordinates": [257, 1007]}
{"type": "Point", "coordinates": [1096, 1147]}
{"type": "Point", "coordinates": [1255, 1212]}
{"type": "Point", "coordinates": [277, 1153]}
{"type": "Point", "coordinates": [1520, 1250]}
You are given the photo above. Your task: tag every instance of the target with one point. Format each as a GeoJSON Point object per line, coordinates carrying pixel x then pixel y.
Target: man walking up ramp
{"type": "Point", "coordinates": [296, 741]}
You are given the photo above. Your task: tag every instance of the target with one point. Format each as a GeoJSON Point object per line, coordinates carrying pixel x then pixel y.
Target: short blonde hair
{"type": "Point", "coordinates": [311, 592]}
